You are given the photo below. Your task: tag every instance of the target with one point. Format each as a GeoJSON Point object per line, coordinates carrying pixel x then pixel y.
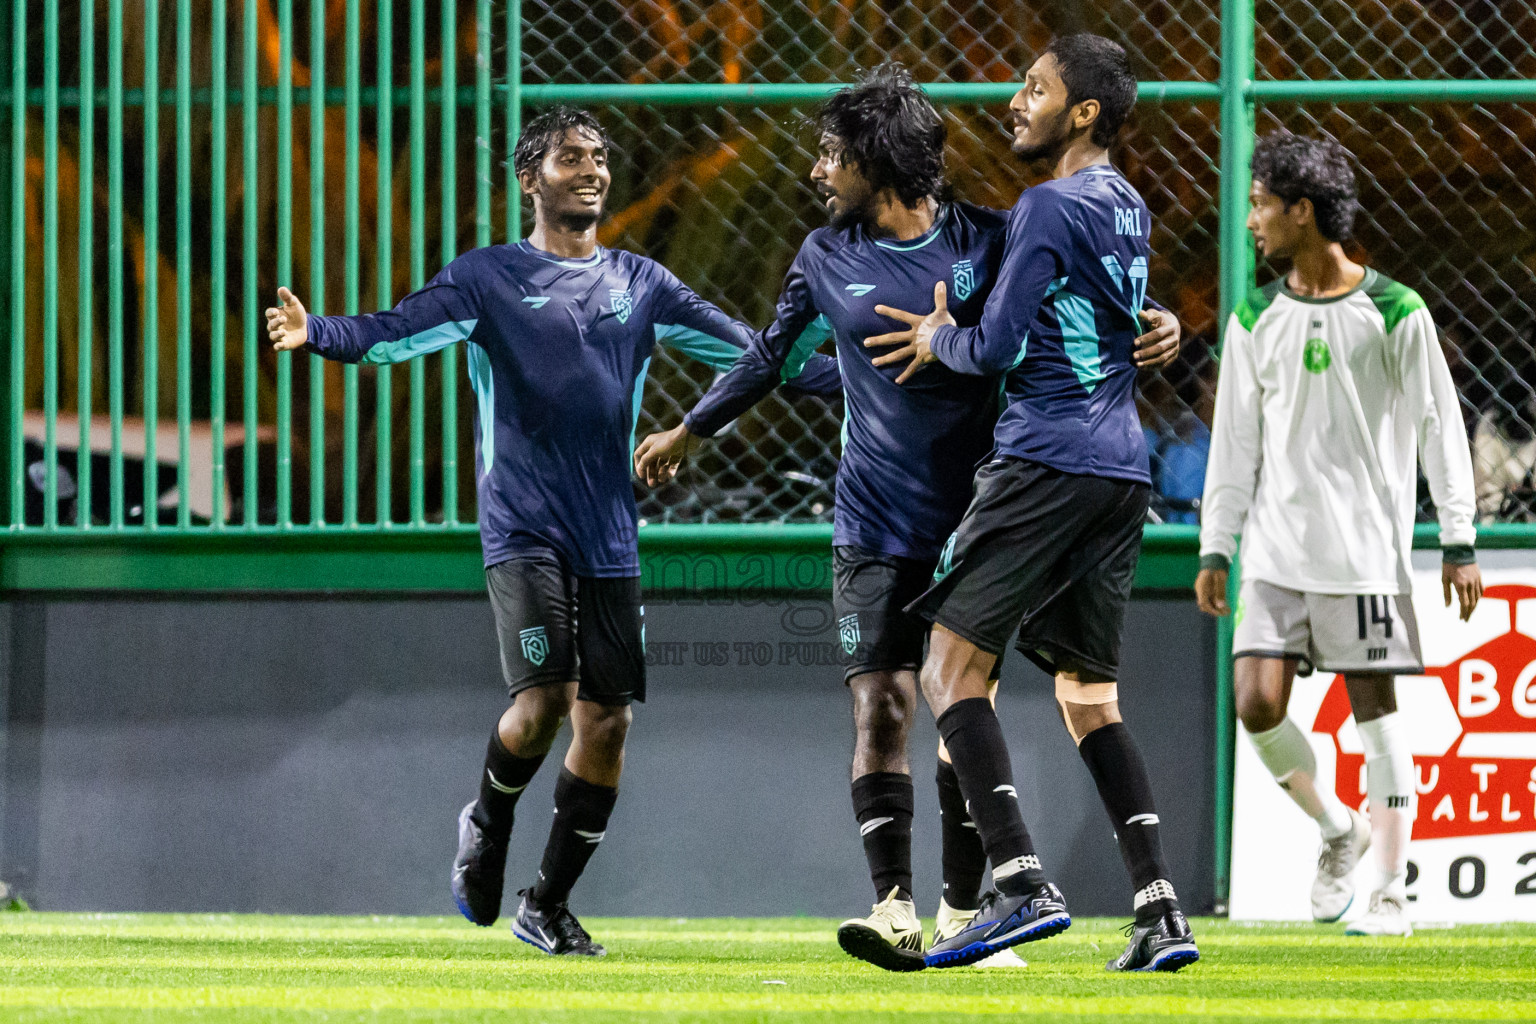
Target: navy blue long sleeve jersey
{"type": "Point", "coordinates": [909, 451]}
{"type": "Point", "coordinates": [558, 351]}
{"type": "Point", "coordinates": [1061, 322]}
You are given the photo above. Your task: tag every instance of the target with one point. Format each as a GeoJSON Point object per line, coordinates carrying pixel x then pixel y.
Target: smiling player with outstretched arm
{"type": "Point", "coordinates": [560, 331]}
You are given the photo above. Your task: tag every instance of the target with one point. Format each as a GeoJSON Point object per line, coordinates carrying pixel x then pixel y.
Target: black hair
{"type": "Point", "coordinates": [547, 131]}
{"type": "Point", "coordinates": [1296, 167]}
{"type": "Point", "coordinates": [1095, 68]}
{"type": "Point", "coordinates": [890, 130]}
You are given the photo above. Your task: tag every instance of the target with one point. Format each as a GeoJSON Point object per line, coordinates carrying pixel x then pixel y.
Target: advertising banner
{"type": "Point", "coordinates": [1471, 720]}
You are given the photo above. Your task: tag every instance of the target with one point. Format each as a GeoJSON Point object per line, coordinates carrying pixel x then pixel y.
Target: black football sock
{"type": "Point", "coordinates": [979, 754]}
{"type": "Point", "coordinates": [965, 860]}
{"type": "Point", "coordinates": [882, 802]}
{"type": "Point", "coordinates": [1112, 756]}
{"type": "Point", "coordinates": [502, 782]}
{"type": "Point", "coordinates": [581, 818]}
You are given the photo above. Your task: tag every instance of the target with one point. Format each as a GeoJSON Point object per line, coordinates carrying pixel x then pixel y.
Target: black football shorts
{"type": "Point", "coordinates": [1046, 555]}
{"type": "Point", "coordinates": [554, 627]}
{"type": "Point", "coordinates": [870, 594]}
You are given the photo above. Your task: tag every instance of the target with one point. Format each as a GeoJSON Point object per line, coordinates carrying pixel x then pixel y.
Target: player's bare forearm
{"type": "Point", "coordinates": [658, 457]}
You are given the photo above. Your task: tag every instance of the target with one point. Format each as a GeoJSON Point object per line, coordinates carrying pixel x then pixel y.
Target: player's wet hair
{"type": "Point", "coordinates": [1095, 68]}
{"type": "Point", "coordinates": [547, 132]}
{"type": "Point", "coordinates": [1296, 167]}
{"type": "Point", "coordinates": [891, 132]}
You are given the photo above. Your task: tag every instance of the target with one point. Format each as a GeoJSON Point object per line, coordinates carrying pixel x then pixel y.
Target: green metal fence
{"type": "Point", "coordinates": [350, 148]}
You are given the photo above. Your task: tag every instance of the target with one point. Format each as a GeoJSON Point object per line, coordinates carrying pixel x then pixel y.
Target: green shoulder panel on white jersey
{"type": "Point", "coordinates": [1393, 301]}
{"type": "Point", "coordinates": [1256, 302]}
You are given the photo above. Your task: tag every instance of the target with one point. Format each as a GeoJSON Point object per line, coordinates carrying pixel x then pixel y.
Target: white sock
{"type": "Point", "coordinates": [1389, 784]}
{"type": "Point", "coordinates": [1289, 758]}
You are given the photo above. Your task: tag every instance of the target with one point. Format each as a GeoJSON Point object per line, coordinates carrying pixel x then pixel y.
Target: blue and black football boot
{"type": "Point", "coordinates": [1002, 921]}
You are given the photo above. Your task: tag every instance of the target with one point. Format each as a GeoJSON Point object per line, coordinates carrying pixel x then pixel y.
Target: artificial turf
{"type": "Point", "coordinates": [137, 967]}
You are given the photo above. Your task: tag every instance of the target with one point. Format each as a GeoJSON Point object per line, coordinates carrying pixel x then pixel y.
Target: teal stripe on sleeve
{"type": "Point", "coordinates": [716, 353]}
{"type": "Point", "coordinates": [430, 340]}
{"type": "Point", "coordinates": [805, 346]}
{"type": "Point", "coordinates": [480, 382]}
{"type": "Point", "coordinates": [645, 368]}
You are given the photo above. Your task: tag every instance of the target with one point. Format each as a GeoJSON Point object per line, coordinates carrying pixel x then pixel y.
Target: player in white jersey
{"type": "Point", "coordinates": [1332, 381]}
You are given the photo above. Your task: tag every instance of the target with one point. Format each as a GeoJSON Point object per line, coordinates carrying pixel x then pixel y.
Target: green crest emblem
{"type": "Point", "coordinates": [535, 645]}
{"type": "Point", "coordinates": [1316, 357]}
{"type": "Point", "coordinates": [848, 632]}
{"type": "Point", "coordinates": [965, 279]}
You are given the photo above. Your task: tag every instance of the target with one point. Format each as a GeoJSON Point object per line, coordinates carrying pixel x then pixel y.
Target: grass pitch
{"type": "Point", "coordinates": [80, 967]}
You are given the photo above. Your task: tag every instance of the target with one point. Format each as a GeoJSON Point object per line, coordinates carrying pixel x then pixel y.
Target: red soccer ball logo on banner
{"type": "Point", "coordinates": [1474, 746]}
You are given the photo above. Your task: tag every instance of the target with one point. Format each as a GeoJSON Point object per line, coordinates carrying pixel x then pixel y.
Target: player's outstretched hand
{"type": "Point", "coordinates": [287, 323]}
{"type": "Point", "coordinates": [1160, 345]}
{"type": "Point", "coordinates": [1467, 581]}
{"type": "Point", "coordinates": [1211, 592]}
{"type": "Point", "coordinates": [914, 341]}
{"type": "Point", "coordinates": [658, 456]}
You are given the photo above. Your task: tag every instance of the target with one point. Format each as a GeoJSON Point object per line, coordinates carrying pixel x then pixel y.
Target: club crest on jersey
{"type": "Point", "coordinates": [848, 632]}
{"type": "Point", "coordinates": [535, 645]}
{"type": "Point", "coordinates": [623, 305]}
{"type": "Point", "coordinates": [1316, 357]}
{"type": "Point", "coordinates": [965, 279]}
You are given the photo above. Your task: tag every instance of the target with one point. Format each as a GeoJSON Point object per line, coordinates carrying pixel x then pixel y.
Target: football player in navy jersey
{"type": "Point", "coordinates": [1047, 550]}
{"type": "Point", "coordinates": [559, 331]}
{"type": "Point", "coordinates": [909, 455]}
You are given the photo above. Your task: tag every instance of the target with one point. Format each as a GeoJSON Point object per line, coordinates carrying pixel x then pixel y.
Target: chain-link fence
{"type": "Point", "coordinates": [720, 194]}
{"type": "Point", "coordinates": [364, 193]}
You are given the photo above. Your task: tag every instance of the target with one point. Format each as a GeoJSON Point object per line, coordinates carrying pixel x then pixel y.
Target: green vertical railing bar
{"type": "Point", "coordinates": [85, 257]}
{"type": "Point", "coordinates": [17, 397]}
{"type": "Point", "coordinates": [249, 305]}
{"type": "Point", "coordinates": [151, 307]}
{"type": "Point", "coordinates": [483, 26]}
{"type": "Point", "coordinates": [1236, 277]}
{"type": "Point", "coordinates": [449, 178]}
{"type": "Point", "coordinates": [284, 249]}
{"type": "Point", "coordinates": [482, 122]}
{"type": "Point", "coordinates": [418, 445]}
{"type": "Point", "coordinates": [317, 256]}
{"type": "Point", "coordinates": [384, 411]}
{"type": "Point", "coordinates": [50, 263]}
{"type": "Point", "coordinates": [350, 268]}
{"type": "Point", "coordinates": [218, 139]}
{"type": "Point", "coordinates": [115, 257]}
{"type": "Point", "coordinates": [514, 115]}
{"type": "Point", "coordinates": [183, 264]}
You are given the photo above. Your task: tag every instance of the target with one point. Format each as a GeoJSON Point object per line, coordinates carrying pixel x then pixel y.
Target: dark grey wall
{"type": "Point", "coordinates": [309, 756]}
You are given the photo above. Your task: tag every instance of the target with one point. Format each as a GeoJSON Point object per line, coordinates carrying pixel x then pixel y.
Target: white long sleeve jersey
{"type": "Point", "coordinates": [1322, 406]}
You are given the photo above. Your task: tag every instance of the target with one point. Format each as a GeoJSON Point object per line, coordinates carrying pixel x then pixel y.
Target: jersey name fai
{"type": "Point", "coordinates": [1062, 324]}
